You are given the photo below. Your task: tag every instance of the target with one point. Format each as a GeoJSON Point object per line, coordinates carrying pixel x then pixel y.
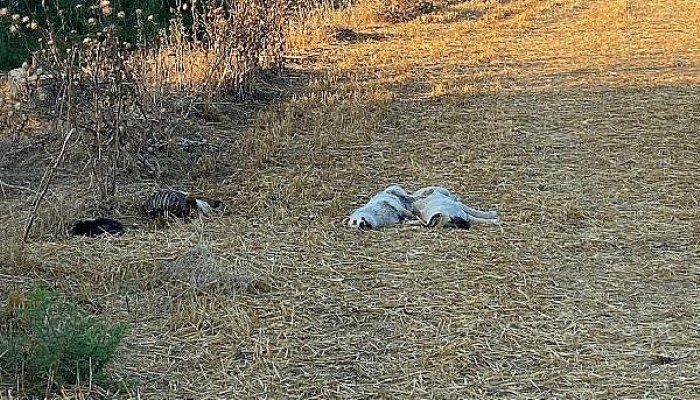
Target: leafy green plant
{"type": "Point", "coordinates": [50, 341]}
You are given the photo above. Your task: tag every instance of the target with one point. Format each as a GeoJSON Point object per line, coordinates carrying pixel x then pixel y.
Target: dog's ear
{"type": "Point", "coordinates": [365, 225]}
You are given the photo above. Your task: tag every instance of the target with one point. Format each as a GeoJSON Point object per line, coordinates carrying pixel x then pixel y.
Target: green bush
{"type": "Point", "coordinates": [51, 342]}
{"type": "Point", "coordinates": [13, 49]}
{"type": "Point", "coordinates": [69, 19]}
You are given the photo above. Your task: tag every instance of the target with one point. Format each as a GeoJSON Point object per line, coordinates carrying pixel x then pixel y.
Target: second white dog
{"type": "Point", "coordinates": [435, 206]}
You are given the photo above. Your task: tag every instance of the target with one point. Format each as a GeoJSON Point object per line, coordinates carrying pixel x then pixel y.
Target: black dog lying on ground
{"type": "Point", "coordinates": [96, 226]}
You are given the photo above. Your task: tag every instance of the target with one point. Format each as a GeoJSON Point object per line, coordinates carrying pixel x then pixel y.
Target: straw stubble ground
{"type": "Point", "coordinates": [577, 119]}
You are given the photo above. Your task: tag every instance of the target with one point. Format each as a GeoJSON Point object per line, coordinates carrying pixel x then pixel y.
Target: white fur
{"type": "Point", "coordinates": [438, 202]}
{"type": "Point", "coordinates": [206, 208]}
{"type": "Point", "coordinates": [392, 206]}
{"type": "Point", "coordinates": [427, 191]}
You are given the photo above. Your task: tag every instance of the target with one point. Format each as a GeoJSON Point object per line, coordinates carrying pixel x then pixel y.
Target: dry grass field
{"type": "Point", "coordinates": [578, 119]}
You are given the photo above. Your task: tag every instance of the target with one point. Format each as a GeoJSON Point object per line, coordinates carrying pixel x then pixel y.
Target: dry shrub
{"type": "Point", "coordinates": [223, 52]}
{"type": "Point", "coordinates": [316, 23]}
{"type": "Point", "coordinates": [202, 269]}
{"type": "Point", "coordinates": [12, 121]}
{"type": "Point", "coordinates": [111, 108]}
{"type": "Point", "coordinates": [13, 253]}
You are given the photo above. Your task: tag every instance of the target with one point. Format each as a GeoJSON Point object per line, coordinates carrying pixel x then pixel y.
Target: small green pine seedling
{"type": "Point", "coordinates": [51, 341]}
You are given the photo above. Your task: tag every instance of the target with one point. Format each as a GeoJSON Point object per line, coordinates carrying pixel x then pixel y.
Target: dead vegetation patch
{"type": "Point", "coordinates": [203, 270]}
{"type": "Point", "coordinates": [405, 10]}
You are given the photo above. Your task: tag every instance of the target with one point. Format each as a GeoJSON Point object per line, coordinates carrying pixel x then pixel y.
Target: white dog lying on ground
{"type": "Point", "coordinates": [390, 207]}
{"type": "Point", "coordinates": [435, 206]}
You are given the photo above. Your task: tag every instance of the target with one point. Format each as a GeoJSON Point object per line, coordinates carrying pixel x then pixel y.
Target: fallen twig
{"type": "Point", "coordinates": [4, 185]}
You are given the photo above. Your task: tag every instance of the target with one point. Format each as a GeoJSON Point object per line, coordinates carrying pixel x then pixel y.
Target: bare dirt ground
{"type": "Point", "coordinates": [578, 120]}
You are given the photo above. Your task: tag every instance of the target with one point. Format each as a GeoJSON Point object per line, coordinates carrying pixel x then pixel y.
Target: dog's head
{"type": "Point", "coordinates": [397, 190]}
{"type": "Point", "coordinates": [361, 221]}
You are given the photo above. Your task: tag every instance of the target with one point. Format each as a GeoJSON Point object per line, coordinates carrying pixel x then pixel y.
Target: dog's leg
{"type": "Point", "coordinates": [403, 213]}
{"type": "Point", "coordinates": [415, 222]}
{"type": "Point", "coordinates": [406, 214]}
{"type": "Point", "coordinates": [484, 221]}
{"type": "Point", "coordinates": [492, 214]}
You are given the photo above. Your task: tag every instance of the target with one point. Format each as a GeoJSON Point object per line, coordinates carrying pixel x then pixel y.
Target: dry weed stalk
{"type": "Point", "coordinates": [44, 186]}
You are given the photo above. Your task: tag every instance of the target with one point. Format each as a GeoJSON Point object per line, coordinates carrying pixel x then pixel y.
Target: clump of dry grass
{"type": "Point", "coordinates": [13, 253]}
{"type": "Point", "coordinates": [51, 221]}
{"type": "Point", "coordinates": [314, 27]}
{"type": "Point", "coordinates": [224, 52]}
{"type": "Point", "coordinates": [203, 270]}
